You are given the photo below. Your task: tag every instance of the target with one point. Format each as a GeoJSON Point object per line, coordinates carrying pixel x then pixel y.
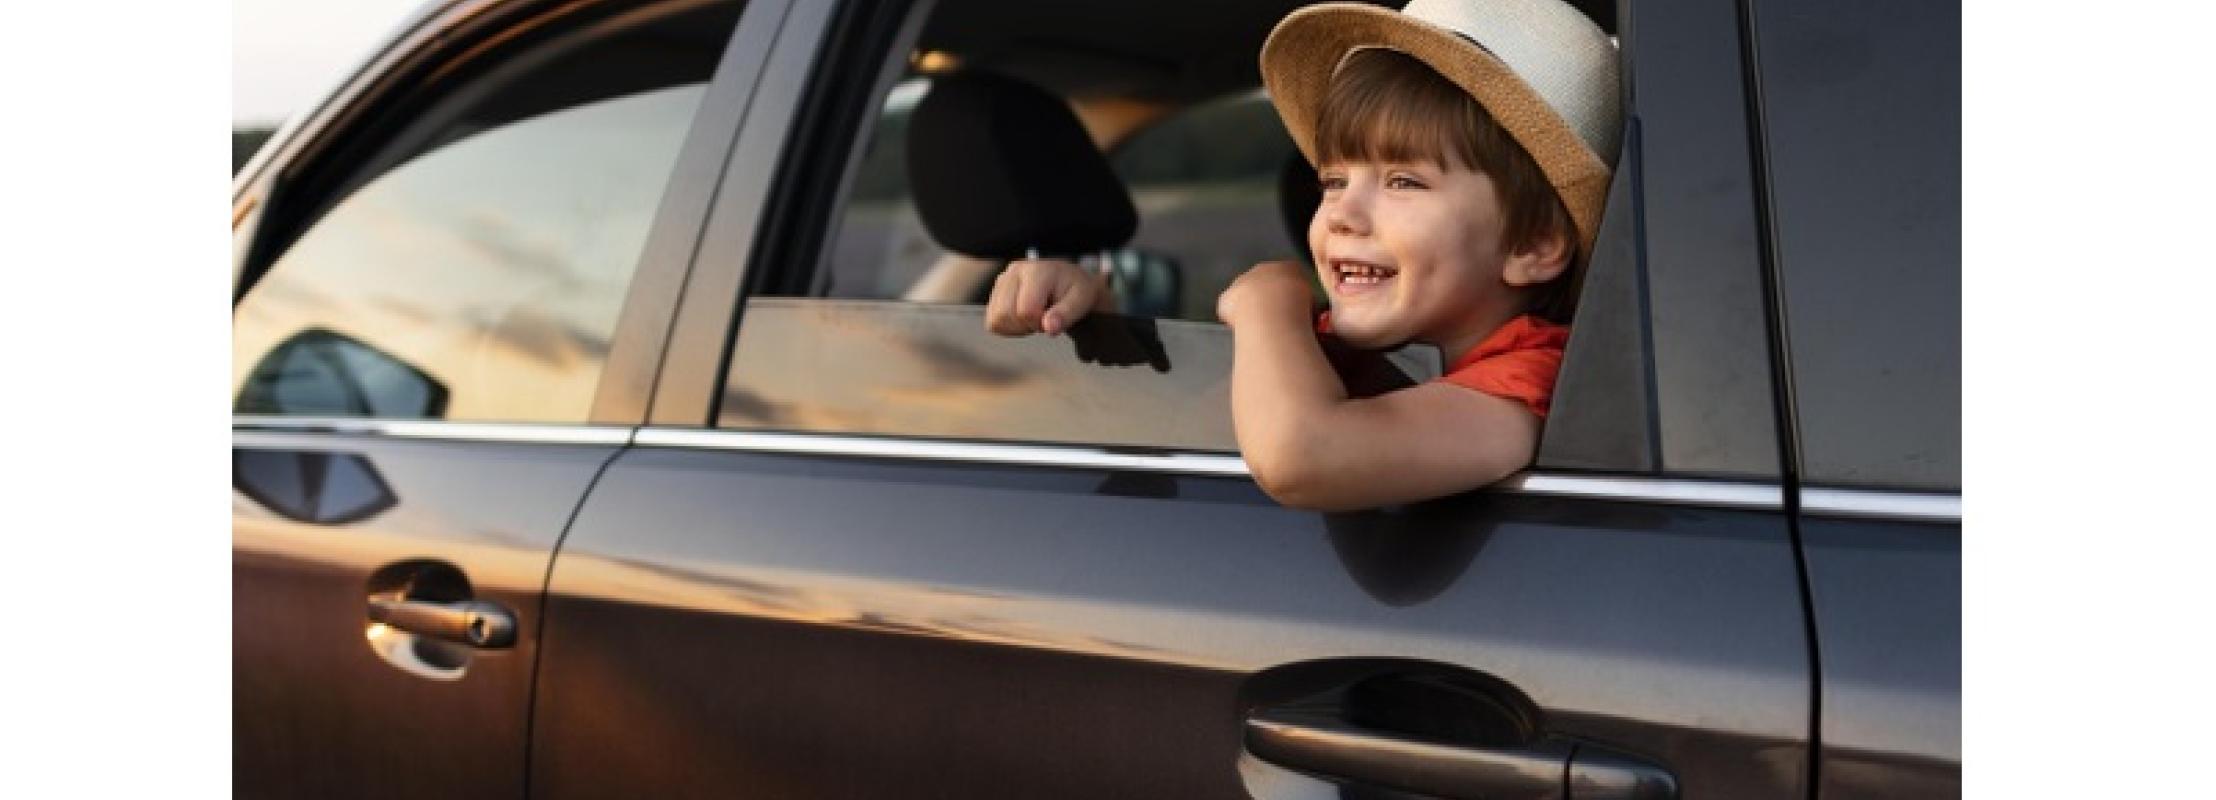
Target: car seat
{"type": "Point", "coordinates": [999, 168]}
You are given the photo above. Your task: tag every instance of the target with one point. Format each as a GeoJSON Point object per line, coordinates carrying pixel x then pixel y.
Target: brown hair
{"type": "Point", "coordinates": [1386, 106]}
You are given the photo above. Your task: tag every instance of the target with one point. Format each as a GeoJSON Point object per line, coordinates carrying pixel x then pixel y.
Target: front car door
{"type": "Point", "coordinates": [431, 323]}
{"type": "Point", "coordinates": [864, 549]}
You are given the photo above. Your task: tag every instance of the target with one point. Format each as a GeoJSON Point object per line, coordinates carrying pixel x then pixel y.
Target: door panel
{"type": "Point", "coordinates": [810, 626]}
{"type": "Point", "coordinates": [316, 710]}
{"type": "Point", "coordinates": [1888, 605]}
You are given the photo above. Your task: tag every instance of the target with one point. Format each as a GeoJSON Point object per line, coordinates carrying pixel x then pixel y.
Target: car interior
{"type": "Point", "coordinates": [1168, 93]}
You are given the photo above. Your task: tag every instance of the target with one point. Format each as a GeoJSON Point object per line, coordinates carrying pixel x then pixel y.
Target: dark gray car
{"type": "Point", "coordinates": [612, 420]}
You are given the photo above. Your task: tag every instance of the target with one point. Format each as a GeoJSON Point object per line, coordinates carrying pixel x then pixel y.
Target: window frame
{"type": "Point", "coordinates": [289, 183]}
{"type": "Point", "coordinates": [752, 235]}
{"type": "Point", "coordinates": [750, 224]}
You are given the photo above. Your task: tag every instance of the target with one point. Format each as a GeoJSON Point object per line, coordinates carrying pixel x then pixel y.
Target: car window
{"type": "Point", "coordinates": [1204, 178]}
{"type": "Point", "coordinates": [1208, 184]}
{"type": "Point", "coordinates": [852, 324]}
{"type": "Point", "coordinates": [474, 265]}
{"type": "Point", "coordinates": [1865, 171]}
{"type": "Point", "coordinates": [884, 333]}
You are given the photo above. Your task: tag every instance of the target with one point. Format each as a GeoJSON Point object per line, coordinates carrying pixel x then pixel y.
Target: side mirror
{"type": "Point", "coordinates": [324, 373]}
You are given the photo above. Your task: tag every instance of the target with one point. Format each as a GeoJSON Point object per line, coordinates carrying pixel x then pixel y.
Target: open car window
{"type": "Point", "coordinates": [1206, 180]}
{"type": "Point", "coordinates": [850, 325]}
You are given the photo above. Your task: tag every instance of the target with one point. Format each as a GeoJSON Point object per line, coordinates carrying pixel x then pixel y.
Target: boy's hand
{"type": "Point", "coordinates": [1271, 288]}
{"type": "Point", "coordinates": [1041, 296]}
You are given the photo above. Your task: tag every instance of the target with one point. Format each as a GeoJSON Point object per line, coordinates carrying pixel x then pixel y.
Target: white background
{"type": "Point", "coordinates": [286, 53]}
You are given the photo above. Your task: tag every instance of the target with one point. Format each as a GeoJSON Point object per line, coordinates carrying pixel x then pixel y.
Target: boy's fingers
{"type": "Point", "coordinates": [1075, 302]}
{"type": "Point", "coordinates": [1034, 292]}
{"type": "Point", "coordinates": [1000, 309]}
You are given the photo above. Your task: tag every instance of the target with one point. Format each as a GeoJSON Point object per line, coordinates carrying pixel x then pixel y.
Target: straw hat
{"type": "Point", "coordinates": [1543, 71]}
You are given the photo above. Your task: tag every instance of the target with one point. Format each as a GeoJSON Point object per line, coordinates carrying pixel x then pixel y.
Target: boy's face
{"type": "Point", "coordinates": [1409, 252]}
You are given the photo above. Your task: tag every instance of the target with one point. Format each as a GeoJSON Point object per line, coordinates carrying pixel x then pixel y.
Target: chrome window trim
{"type": "Point", "coordinates": [516, 433]}
{"type": "Point", "coordinates": [1751, 496]}
{"type": "Point", "coordinates": [1881, 504]}
{"type": "Point", "coordinates": [1038, 455]}
{"type": "Point", "coordinates": [1673, 491]}
{"type": "Point", "coordinates": [1642, 489]}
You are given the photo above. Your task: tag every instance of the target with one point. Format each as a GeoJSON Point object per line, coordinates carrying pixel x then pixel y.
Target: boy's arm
{"type": "Point", "coordinates": [1312, 447]}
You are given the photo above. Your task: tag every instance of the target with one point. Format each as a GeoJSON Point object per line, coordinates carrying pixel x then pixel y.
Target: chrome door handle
{"type": "Point", "coordinates": [1320, 744]}
{"type": "Point", "coordinates": [470, 622]}
{"type": "Point", "coordinates": [1549, 769]}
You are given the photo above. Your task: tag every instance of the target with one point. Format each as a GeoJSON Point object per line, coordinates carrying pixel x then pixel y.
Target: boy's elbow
{"type": "Point", "coordinates": [1302, 484]}
{"type": "Point", "coordinates": [1293, 465]}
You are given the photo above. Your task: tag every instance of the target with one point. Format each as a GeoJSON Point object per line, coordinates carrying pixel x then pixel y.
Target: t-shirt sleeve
{"type": "Point", "coordinates": [1526, 376]}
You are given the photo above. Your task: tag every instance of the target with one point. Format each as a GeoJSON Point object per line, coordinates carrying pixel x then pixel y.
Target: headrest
{"type": "Point", "coordinates": [998, 166]}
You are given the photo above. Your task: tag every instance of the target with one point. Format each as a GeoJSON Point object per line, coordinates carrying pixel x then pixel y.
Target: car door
{"type": "Point", "coordinates": [864, 549]}
{"type": "Point", "coordinates": [1861, 110]}
{"type": "Point", "coordinates": [430, 341]}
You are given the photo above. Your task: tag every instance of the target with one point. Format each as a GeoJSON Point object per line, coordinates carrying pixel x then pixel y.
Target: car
{"type": "Point", "coordinates": [614, 416]}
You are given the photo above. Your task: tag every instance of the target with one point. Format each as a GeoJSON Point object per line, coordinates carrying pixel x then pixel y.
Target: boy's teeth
{"type": "Point", "coordinates": [1351, 272]}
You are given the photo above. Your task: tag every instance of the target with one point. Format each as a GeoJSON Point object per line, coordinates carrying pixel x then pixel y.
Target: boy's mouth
{"type": "Point", "coordinates": [1360, 276]}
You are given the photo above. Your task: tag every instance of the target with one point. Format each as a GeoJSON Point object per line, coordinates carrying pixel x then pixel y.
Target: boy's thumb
{"type": "Point", "coordinates": [1069, 308]}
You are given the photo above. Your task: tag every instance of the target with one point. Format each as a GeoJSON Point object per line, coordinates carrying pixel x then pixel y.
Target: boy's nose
{"type": "Point", "coordinates": [1348, 213]}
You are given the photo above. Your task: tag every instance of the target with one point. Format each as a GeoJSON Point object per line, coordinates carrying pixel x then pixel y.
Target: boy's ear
{"type": "Point", "coordinates": [1540, 260]}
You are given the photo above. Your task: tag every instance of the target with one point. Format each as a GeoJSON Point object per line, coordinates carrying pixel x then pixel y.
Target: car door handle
{"type": "Point", "coordinates": [1321, 743]}
{"type": "Point", "coordinates": [469, 622]}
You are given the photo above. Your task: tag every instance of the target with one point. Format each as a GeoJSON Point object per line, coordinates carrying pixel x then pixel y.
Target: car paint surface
{"type": "Point", "coordinates": [1096, 628]}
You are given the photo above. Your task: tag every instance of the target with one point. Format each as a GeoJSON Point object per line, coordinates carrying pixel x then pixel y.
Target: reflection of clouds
{"type": "Point", "coordinates": [925, 370]}
{"type": "Point", "coordinates": [494, 237]}
{"type": "Point", "coordinates": [869, 604]}
{"type": "Point", "coordinates": [407, 312]}
{"type": "Point", "coordinates": [538, 336]}
{"type": "Point", "coordinates": [496, 261]}
{"type": "Point", "coordinates": [951, 363]}
{"type": "Point", "coordinates": [956, 409]}
{"type": "Point", "coordinates": [753, 593]}
{"type": "Point", "coordinates": [836, 418]}
{"type": "Point", "coordinates": [299, 297]}
{"type": "Point", "coordinates": [741, 407]}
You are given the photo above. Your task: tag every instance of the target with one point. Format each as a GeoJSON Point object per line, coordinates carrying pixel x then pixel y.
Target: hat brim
{"type": "Point", "coordinates": [1308, 45]}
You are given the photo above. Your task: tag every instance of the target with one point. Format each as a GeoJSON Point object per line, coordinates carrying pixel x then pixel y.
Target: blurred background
{"type": "Point", "coordinates": [285, 54]}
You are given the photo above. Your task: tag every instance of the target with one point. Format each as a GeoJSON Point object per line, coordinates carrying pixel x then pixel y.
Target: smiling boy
{"type": "Point", "coordinates": [1463, 150]}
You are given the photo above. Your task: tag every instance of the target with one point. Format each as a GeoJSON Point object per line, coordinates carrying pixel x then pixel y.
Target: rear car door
{"type": "Point", "coordinates": [430, 341]}
{"type": "Point", "coordinates": [864, 549]}
{"type": "Point", "coordinates": [1861, 110]}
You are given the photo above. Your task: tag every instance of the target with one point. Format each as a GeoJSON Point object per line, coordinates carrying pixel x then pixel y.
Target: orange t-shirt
{"type": "Point", "coordinates": [1517, 361]}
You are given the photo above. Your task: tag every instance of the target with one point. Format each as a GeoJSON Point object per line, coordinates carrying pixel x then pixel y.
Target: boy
{"type": "Point", "coordinates": [1463, 148]}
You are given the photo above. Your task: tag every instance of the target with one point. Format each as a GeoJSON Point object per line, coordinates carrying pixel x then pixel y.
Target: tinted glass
{"type": "Point", "coordinates": [482, 259]}
{"type": "Point", "coordinates": [1863, 105]}
{"type": "Point", "coordinates": [851, 366]}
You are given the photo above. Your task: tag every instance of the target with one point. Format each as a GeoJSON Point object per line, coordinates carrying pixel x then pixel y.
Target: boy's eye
{"type": "Point", "coordinates": [1403, 182]}
{"type": "Point", "coordinates": [1331, 182]}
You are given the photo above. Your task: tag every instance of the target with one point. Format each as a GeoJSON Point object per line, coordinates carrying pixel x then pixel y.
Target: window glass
{"type": "Point", "coordinates": [1863, 112]}
{"type": "Point", "coordinates": [477, 270]}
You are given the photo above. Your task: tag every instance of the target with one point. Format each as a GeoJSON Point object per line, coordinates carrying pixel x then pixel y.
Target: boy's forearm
{"type": "Point", "coordinates": [1281, 387]}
